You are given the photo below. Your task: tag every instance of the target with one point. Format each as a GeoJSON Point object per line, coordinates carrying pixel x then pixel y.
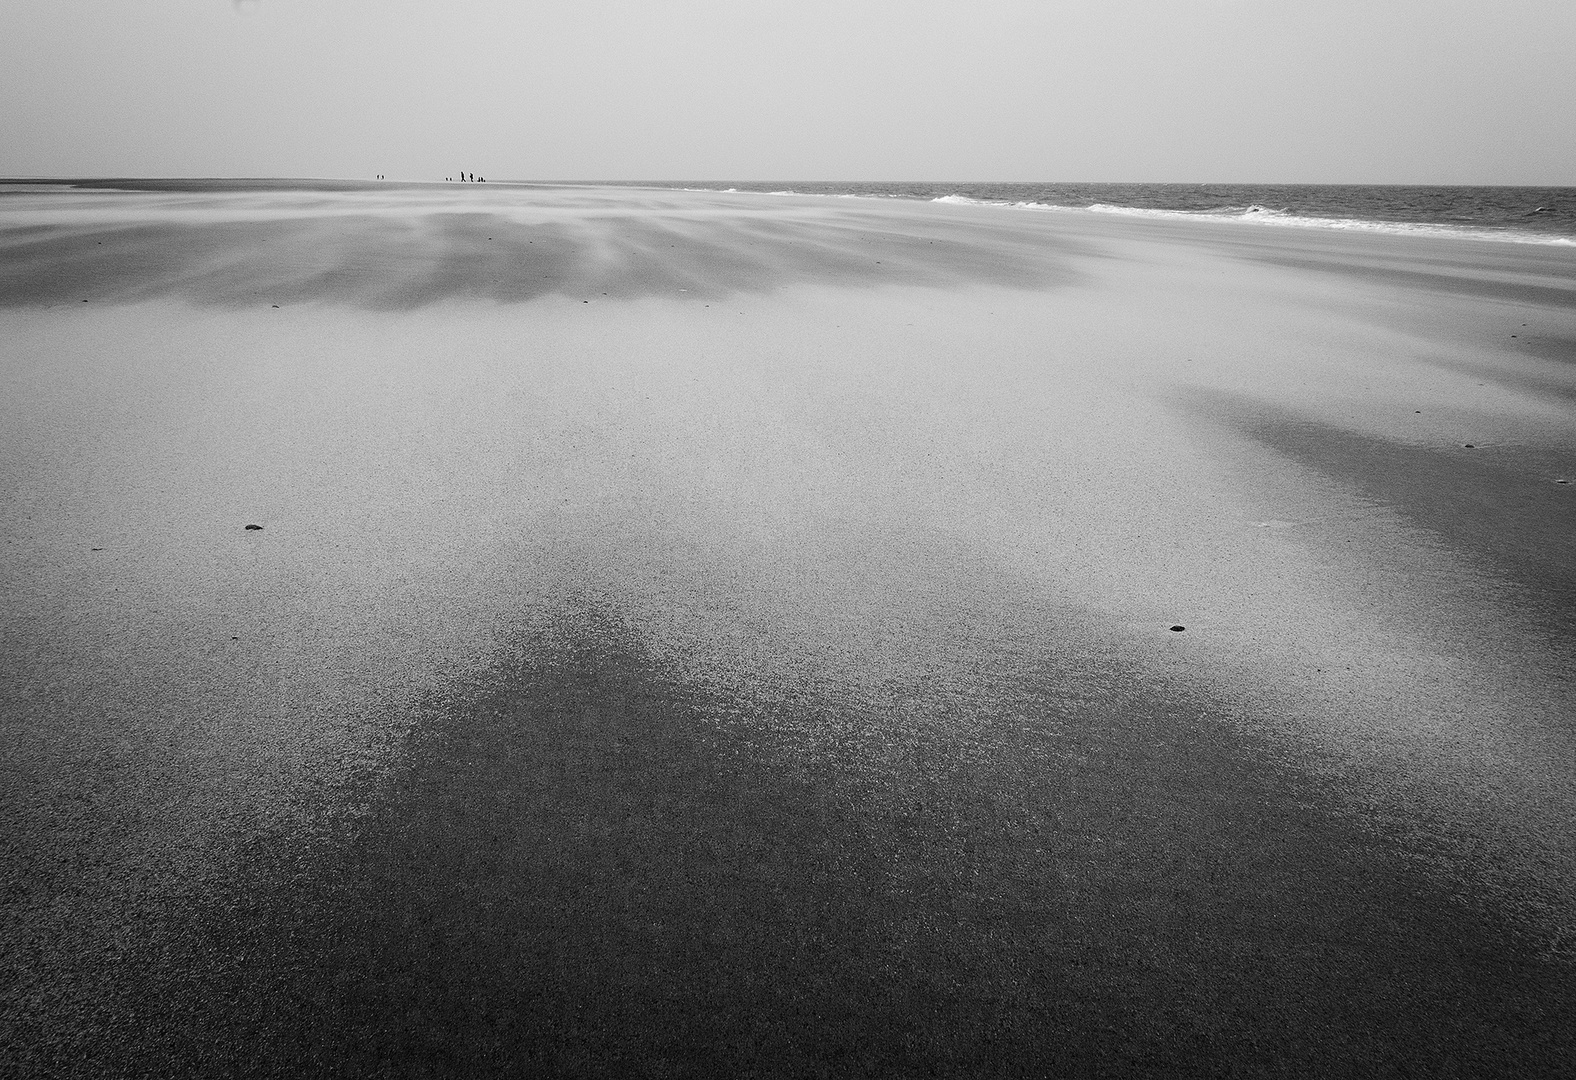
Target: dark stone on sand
{"type": "Point", "coordinates": [1468, 446]}
{"type": "Point", "coordinates": [254, 528]}
{"type": "Point", "coordinates": [1178, 629]}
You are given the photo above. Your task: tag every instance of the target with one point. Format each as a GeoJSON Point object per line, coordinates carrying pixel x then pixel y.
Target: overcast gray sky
{"type": "Point", "coordinates": [1363, 91]}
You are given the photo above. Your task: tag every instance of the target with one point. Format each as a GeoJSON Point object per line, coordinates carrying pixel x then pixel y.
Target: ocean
{"type": "Point", "coordinates": [1526, 214]}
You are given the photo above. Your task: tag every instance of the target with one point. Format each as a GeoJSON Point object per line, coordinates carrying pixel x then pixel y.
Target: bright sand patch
{"type": "Point", "coordinates": [796, 446]}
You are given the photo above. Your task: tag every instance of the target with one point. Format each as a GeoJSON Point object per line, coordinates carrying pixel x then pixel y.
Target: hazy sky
{"type": "Point", "coordinates": [1365, 91]}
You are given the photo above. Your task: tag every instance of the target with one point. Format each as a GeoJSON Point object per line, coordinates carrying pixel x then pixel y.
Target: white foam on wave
{"type": "Point", "coordinates": [784, 191]}
{"type": "Point", "coordinates": [1266, 215]}
{"type": "Point", "coordinates": [1263, 215]}
{"type": "Point", "coordinates": [964, 200]}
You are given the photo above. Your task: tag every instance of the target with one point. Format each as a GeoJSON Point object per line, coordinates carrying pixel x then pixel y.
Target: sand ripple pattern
{"type": "Point", "coordinates": [383, 249]}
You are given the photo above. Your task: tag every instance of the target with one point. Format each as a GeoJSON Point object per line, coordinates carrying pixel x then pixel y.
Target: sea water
{"type": "Point", "coordinates": [1526, 214]}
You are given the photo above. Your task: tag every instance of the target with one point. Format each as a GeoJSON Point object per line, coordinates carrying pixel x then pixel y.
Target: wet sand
{"type": "Point", "coordinates": [695, 633]}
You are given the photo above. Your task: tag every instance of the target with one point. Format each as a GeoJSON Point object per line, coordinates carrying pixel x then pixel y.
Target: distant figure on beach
{"type": "Point", "coordinates": [473, 178]}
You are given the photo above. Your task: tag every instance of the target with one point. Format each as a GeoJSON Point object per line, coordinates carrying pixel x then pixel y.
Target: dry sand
{"type": "Point", "coordinates": [698, 633]}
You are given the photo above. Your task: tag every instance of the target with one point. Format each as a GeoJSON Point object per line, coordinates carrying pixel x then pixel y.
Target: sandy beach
{"type": "Point", "coordinates": [694, 633]}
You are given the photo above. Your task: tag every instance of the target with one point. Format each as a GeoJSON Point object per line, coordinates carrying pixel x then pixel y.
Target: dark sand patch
{"type": "Point", "coordinates": [576, 872]}
{"type": "Point", "coordinates": [1497, 505]}
{"type": "Point", "coordinates": [1551, 373]}
{"type": "Point", "coordinates": [1484, 285]}
{"type": "Point", "coordinates": [1560, 350]}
